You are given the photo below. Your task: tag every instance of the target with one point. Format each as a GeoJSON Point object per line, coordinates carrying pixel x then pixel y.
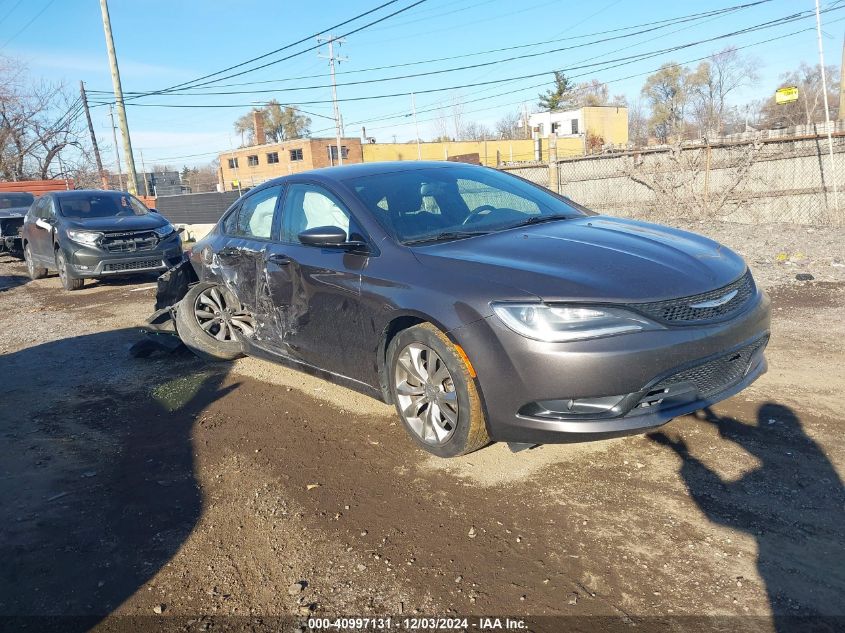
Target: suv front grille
{"type": "Point", "coordinates": [11, 227]}
{"type": "Point", "coordinates": [134, 265]}
{"type": "Point", "coordinates": [129, 242]}
{"type": "Point", "coordinates": [718, 374]}
{"type": "Point", "coordinates": [681, 311]}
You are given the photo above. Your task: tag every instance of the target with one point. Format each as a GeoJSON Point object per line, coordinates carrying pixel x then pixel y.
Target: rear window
{"type": "Point", "coordinates": [15, 200]}
{"type": "Point", "coordinates": [100, 205]}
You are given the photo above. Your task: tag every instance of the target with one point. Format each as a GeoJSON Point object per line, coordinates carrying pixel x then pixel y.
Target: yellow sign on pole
{"type": "Point", "coordinates": [786, 95]}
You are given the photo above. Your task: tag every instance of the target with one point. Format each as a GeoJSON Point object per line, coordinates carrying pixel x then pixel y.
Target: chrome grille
{"type": "Point", "coordinates": [681, 311]}
{"type": "Point", "coordinates": [129, 242]}
{"type": "Point", "coordinates": [718, 374]}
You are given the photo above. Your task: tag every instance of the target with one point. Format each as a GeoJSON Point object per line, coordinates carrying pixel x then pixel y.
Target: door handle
{"type": "Point", "coordinates": [229, 251]}
{"type": "Point", "coordinates": [279, 258]}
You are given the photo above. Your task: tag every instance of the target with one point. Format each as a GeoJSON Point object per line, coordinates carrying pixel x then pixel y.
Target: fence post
{"type": "Point", "coordinates": [554, 180]}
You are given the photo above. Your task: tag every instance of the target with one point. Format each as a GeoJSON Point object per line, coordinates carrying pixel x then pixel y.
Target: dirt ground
{"type": "Point", "coordinates": [207, 492]}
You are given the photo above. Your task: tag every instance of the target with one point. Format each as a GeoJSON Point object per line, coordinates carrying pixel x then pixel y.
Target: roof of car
{"type": "Point", "coordinates": [92, 192]}
{"type": "Point", "coordinates": [357, 170]}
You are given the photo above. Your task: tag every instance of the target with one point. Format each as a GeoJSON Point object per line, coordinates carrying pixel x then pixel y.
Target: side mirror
{"type": "Point", "coordinates": [329, 237]}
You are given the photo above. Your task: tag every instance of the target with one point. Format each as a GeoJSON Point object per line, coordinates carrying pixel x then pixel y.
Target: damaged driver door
{"type": "Point", "coordinates": [248, 230]}
{"type": "Point", "coordinates": [309, 297]}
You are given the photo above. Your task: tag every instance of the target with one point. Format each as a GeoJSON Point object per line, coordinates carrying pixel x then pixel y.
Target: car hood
{"type": "Point", "coordinates": [121, 223]}
{"type": "Point", "coordinates": [14, 212]}
{"type": "Point", "coordinates": [593, 258]}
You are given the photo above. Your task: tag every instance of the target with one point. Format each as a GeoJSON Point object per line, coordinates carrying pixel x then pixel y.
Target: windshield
{"type": "Point", "coordinates": [15, 200]}
{"type": "Point", "coordinates": [434, 203]}
{"type": "Point", "coordinates": [80, 206]}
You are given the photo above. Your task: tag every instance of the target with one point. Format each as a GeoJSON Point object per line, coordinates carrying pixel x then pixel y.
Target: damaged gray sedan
{"type": "Point", "coordinates": [483, 306]}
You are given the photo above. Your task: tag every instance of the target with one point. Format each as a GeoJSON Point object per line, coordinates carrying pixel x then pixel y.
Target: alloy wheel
{"type": "Point", "coordinates": [426, 394]}
{"type": "Point", "coordinates": [62, 266]}
{"type": "Point", "coordinates": [220, 318]}
{"type": "Point", "coordinates": [30, 265]}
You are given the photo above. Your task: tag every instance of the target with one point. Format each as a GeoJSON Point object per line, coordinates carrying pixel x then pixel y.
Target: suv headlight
{"type": "Point", "coordinates": [88, 238]}
{"type": "Point", "coordinates": [164, 231]}
{"type": "Point", "coordinates": [560, 323]}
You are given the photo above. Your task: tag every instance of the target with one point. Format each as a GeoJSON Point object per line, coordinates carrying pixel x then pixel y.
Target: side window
{"type": "Point", "coordinates": [310, 206]}
{"type": "Point", "coordinates": [255, 219]}
{"type": "Point", "coordinates": [230, 222]}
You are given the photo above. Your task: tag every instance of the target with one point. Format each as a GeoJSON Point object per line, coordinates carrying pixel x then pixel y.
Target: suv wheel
{"type": "Point", "coordinates": [68, 282]}
{"type": "Point", "coordinates": [34, 270]}
{"type": "Point", "coordinates": [207, 319]}
{"type": "Point", "coordinates": [435, 394]}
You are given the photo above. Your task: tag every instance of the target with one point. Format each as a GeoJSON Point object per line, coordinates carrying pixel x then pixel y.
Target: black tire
{"type": "Point", "coordinates": [68, 282]}
{"type": "Point", "coordinates": [199, 341]}
{"type": "Point", "coordinates": [470, 431]}
{"type": "Point", "coordinates": [34, 270]}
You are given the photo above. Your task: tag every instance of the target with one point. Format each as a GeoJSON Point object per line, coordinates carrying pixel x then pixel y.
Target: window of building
{"type": "Point", "coordinates": [272, 157]}
{"type": "Point", "coordinates": [555, 126]}
{"type": "Point", "coordinates": [333, 152]}
{"type": "Point", "coordinates": [252, 161]}
{"type": "Point", "coordinates": [575, 126]}
{"type": "Point", "coordinates": [296, 154]}
{"type": "Point", "coordinates": [233, 163]}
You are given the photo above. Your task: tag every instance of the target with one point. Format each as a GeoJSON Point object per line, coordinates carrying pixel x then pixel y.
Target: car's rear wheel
{"type": "Point", "coordinates": [208, 319]}
{"type": "Point", "coordinates": [34, 270]}
{"type": "Point", "coordinates": [434, 392]}
{"type": "Point", "coordinates": [68, 282]}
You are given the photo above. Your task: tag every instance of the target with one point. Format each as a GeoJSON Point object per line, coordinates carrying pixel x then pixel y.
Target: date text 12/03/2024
{"type": "Point", "coordinates": [416, 624]}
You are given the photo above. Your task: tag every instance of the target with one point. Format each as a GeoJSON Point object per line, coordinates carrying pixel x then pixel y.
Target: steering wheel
{"type": "Point", "coordinates": [476, 212]}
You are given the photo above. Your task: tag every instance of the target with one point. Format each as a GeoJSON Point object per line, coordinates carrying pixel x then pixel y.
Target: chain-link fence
{"type": "Point", "coordinates": [749, 180]}
{"type": "Point", "coordinates": [535, 173]}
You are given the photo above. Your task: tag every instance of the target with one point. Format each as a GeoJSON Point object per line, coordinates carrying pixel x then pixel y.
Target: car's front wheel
{"type": "Point", "coordinates": [435, 393]}
{"type": "Point", "coordinates": [207, 319]}
{"type": "Point", "coordinates": [68, 282]}
{"type": "Point", "coordinates": [33, 269]}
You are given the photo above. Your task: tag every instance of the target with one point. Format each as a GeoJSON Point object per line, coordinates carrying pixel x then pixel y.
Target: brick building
{"type": "Point", "coordinates": [250, 166]}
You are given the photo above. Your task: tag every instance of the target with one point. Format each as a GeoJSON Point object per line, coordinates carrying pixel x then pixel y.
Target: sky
{"type": "Point", "coordinates": [162, 43]}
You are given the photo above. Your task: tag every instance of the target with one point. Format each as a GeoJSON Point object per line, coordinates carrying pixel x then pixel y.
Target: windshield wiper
{"type": "Point", "coordinates": [444, 236]}
{"type": "Point", "coordinates": [540, 219]}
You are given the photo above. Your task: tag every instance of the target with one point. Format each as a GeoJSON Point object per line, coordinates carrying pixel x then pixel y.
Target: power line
{"type": "Point", "coordinates": [28, 24]}
{"type": "Point", "coordinates": [534, 87]}
{"type": "Point", "coordinates": [10, 11]}
{"type": "Point", "coordinates": [196, 83]}
{"type": "Point", "coordinates": [657, 25]}
{"type": "Point", "coordinates": [616, 63]}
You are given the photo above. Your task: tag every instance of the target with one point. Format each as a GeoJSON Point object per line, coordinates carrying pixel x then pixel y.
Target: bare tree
{"type": "Point", "coordinates": [667, 93]}
{"type": "Point", "coordinates": [809, 108]}
{"type": "Point", "coordinates": [637, 124]}
{"type": "Point", "coordinates": [474, 131]}
{"type": "Point", "coordinates": [711, 84]}
{"type": "Point", "coordinates": [38, 122]}
{"type": "Point", "coordinates": [508, 128]}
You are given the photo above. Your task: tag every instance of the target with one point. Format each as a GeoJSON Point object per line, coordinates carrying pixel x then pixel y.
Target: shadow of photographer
{"type": "Point", "coordinates": [793, 505]}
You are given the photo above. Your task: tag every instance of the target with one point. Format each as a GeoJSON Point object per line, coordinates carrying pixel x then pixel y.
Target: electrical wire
{"type": "Point", "coordinates": [195, 83]}
{"type": "Point", "coordinates": [616, 63]}
{"type": "Point", "coordinates": [653, 27]}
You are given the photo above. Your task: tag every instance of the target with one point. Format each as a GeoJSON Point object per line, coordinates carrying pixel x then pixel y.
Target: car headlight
{"type": "Point", "coordinates": [87, 238]}
{"type": "Point", "coordinates": [558, 323]}
{"type": "Point", "coordinates": [164, 231]}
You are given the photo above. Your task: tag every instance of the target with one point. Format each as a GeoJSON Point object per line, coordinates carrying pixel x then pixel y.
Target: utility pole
{"type": "Point", "coordinates": [416, 125]}
{"type": "Point", "coordinates": [826, 109]}
{"type": "Point", "coordinates": [332, 60]}
{"type": "Point", "coordinates": [118, 98]}
{"type": "Point", "coordinates": [144, 169]}
{"type": "Point", "coordinates": [103, 180]}
{"type": "Point", "coordinates": [841, 116]}
{"type": "Point", "coordinates": [116, 150]}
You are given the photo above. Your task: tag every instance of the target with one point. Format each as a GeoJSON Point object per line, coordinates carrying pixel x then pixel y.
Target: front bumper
{"type": "Point", "coordinates": [86, 262]}
{"type": "Point", "coordinates": [646, 371]}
